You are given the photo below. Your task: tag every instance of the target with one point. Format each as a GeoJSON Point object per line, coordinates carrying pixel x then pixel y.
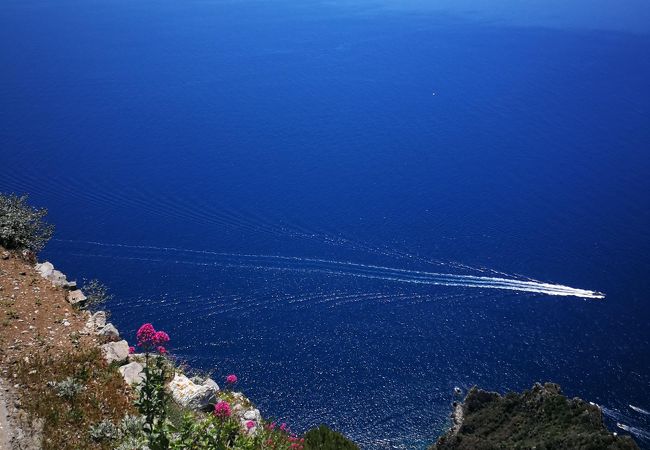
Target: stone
{"type": "Point", "coordinates": [95, 323]}
{"type": "Point", "coordinates": [190, 395]}
{"type": "Point", "coordinates": [115, 351]}
{"type": "Point", "coordinates": [57, 278]}
{"type": "Point", "coordinates": [76, 298]}
{"type": "Point", "coordinates": [70, 285]}
{"type": "Point", "coordinates": [5, 255]}
{"type": "Point", "coordinates": [110, 332]}
{"type": "Point", "coordinates": [252, 414]}
{"type": "Point", "coordinates": [237, 409]}
{"type": "Point", "coordinates": [132, 373]}
{"type": "Point", "coordinates": [45, 269]}
{"type": "Point", "coordinates": [209, 382]}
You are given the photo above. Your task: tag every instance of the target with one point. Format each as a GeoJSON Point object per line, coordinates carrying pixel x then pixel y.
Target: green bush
{"type": "Point", "coordinates": [96, 293]}
{"type": "Point", "coordinates": [324, 438]}
{"type": "Point", "coordinates": [22, 226]}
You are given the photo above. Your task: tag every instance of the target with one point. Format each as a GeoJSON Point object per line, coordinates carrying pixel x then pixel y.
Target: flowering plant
{"type": "Point", "coordinates": [152, 400]}
{"type": "Point", "coordinates": [222, 410]}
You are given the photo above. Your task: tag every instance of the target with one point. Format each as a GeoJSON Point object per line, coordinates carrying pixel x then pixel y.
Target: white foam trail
{"type": "Point", "coordinates": [298, 264]}
{"type": "Point", "coordinates": [635, 431]}
{"type": "Point", "coordinates": [639, 410]}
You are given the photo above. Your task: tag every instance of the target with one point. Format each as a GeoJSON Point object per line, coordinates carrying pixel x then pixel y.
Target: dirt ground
{"type": "Point", "coordinates": [34, 318]}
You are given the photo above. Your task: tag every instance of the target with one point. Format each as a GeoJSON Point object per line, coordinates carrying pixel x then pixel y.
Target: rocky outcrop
{"type": "Point", "coordinates": [132, 373]}
{"type": "Point", "coordinates": [76, 298]}
{"type": "Point", "coordinates": [47, 271]}
{"type": "Point", "coordinates": [251, 420]}
{"type": "Point", "coordinates": [95, 323]}
{"type": "Point", "coordinates": [115, 351]}
{"type": "Point", "coordinates": [109, 332]}
{"type": "Point", "coordinates": [197, 397]}
{"type": "Point", "coordinates": [538, 418]}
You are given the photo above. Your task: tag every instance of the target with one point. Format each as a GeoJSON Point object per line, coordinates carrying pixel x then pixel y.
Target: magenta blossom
{"type": "Point", "coordinates": [132, 349]}
{"type": "Point", "coordinates": [250, 424]}
{"type": "Point", "coordinates": [231, 379]}
{"type": "Point", "coordinates": [222, 410]}
{"type": "Point", "coordinates": [149, 339]}
{"type": "Point", "coordinates": [146, 335]}
{"type": "Point", "coordinates": [160, 338]}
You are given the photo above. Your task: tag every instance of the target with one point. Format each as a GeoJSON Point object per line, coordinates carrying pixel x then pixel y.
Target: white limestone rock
{"type": "Point", "coordinates": [57, 278]}
{"type": "Point", "coordinates": [209, 382]}
{"type": "Point", "coordinates": [115, 351]}
{"type": "Point", "coordinates": [76, 298]}
{"type": "Point", "coordinates": [253, 414]}
{"type": "Point", "coordinates": [109, 332]}
{"type": "Point", "coordinates": [95, 323]}
{"type": "Point", "coordinates": [132, 373]}
{"type": "Point", "coordinates": [190, 395]}
{"type": "Point", "coordinates": [45, 269]}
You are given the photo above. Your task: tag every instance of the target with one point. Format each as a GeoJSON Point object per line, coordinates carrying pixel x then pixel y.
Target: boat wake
{"type": "Point", "coordinates": [346, 268]}
{"type": "Point", "coordinates": [639, 410]}
{"type": "Point", "coordinates": [635, 431]}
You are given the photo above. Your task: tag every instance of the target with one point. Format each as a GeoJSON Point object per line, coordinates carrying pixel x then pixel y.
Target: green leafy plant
{"type": "Point", "coordinates": [22, 226]}
{"type": "Point", "coordinates": [68, 389]}
{"type": "Point", "coordinates": [152, 397]}
{"type": "Point", "coordinates": [96, 292]}
{"type": "Point", "coordinates": [324, 438]}
{"type": "Point", "coordinates": [104, 431]}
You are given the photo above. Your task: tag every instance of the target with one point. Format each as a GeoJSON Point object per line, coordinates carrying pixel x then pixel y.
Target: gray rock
{"type": "Point", "coordinates": [115, 351]}
{"type": "Point", "coordinates": [109, 331]}
{"type": "Point", "coordinates": [5, 255]}
{"type": "Point", "coordinates": [95, 323]}
{"type": "Point", "coordinates": [237, 410]}
{"type": "Point", "coordinates": [45, 269]}
{"type": "Point", "coordinates": [132, 373]}
{"type": "Point", "coordinates": [252, 414]}
{"type": "Point", "coordinates": [76, 298]}
{"type": "Point", "coordinates": [190, 395]}
{"type": "Point", "coordinates": [70, 285]}
{"type": "Point", "coordinates": [57, 278]}
{"type": "Point", "coordinates": [209, 382]}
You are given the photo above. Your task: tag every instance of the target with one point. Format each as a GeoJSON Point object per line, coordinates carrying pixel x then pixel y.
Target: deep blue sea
{"type": "Point", "coordinates": [280, 185]}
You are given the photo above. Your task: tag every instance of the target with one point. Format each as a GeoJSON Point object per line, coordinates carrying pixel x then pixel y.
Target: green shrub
{"type": "Point", "coordinates": [104, 431]}
{"type": "Point", "coordinates": [22, 226]}
{"type": "Point", "coordinates": [67, 389]}
{"type": "Point", "coordinates": [324, 438]}
{"type": "Point", "coordinates": [96, 293]}
{"type": "Point", "coordinates": [152, 402]}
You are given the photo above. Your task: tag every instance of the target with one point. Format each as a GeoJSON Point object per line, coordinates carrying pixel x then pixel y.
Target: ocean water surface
{"type": "Point", "coordinates": [321, 197]}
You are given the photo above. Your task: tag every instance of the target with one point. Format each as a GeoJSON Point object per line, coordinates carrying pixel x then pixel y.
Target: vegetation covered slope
{"type": "Point", "coordinates": [540, 418]}
{"type": "Point", "coordinates": [324, 438]}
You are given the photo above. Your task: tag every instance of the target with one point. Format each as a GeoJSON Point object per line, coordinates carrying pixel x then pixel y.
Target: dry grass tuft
{"type": "Point", "coordinates": [67, 419]}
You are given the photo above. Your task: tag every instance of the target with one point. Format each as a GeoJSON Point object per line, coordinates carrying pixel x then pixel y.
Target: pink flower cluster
{"type": "Point", "coordinates": [222, 410]}
{"type": "Point", "coordinates": [149, 338]}
{"type": "Point", "coordinates": [295, 442]}
{"type": "Point", "coordinates": [231, 379]}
